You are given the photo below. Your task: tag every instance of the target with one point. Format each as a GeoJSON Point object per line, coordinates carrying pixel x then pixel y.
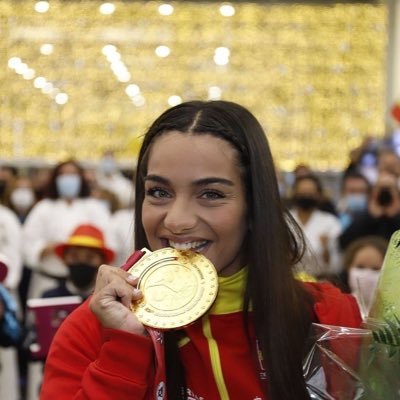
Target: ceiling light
{"type": "Point", "coordinates": [42, 6]}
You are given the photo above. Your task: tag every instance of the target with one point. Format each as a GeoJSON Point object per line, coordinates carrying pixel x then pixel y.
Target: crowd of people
{"type": "Point", "coordinates": [40, 209]}
{"type": "Point", "coordinates": [58, 225]}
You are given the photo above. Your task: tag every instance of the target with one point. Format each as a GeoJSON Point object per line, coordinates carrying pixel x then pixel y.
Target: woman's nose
{"type": "Point", "coordinates": [180, 216]}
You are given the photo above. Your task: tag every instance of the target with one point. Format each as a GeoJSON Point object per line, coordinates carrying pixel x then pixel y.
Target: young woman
{"type": "Point", "coordinates": [206, 182]}
{"type": "Point", "coordinates": [362, 264]}
{"type": "Point", "coordinates": [67, 204]}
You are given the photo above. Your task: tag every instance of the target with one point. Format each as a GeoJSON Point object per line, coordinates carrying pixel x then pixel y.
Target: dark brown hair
{"type": "Point", "coordinates": [281, 307]}
{"type": "Point", "coordinates": [354, 175]}
{"type": "Point", "coordinates": [309, 177]}
{"type": "Point", "coordinates": [377, 242]}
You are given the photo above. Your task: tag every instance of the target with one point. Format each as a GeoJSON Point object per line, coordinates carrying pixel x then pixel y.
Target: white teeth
{"type": "Point", "coordinates": [188, 245]}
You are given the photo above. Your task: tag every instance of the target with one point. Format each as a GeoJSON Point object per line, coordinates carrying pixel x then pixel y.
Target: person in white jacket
{"type": "Point", "coordinates": [11, 256]}
{"type": "Point", "coordinates": [321, 228]}
{"type": "Point", "coordinates": [10, 246]}
{"type": "Point", "coordinates": [51, 221]}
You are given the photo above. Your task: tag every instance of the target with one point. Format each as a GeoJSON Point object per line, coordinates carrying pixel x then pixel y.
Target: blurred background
{"type": "Point", "coordinates": [82, 77]}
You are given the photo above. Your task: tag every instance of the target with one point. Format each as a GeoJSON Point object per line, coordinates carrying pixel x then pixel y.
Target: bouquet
{"type": "Point", "coordinates": [361, 364]}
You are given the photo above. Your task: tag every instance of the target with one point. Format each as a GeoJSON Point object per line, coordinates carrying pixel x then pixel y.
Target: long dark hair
{"type": "Point", "coordinates": [281, 307]}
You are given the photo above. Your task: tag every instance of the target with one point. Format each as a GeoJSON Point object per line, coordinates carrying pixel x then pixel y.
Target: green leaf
{"type": "Point", "coordinates": [375, 336]}
{"type": "Point", "coordinates": [382, 336]}
{"type": "Point", "coordinates": [389, 337]}
{"type": "Point", "coordinates": [372, 354]}
{"type": "Point", "coordinates": [393, 328]}
{"type": "Point", "coordinates": [392, 351]}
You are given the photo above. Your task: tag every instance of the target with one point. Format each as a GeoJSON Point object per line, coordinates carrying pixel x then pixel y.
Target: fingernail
{"type": "Point", "coordinates": [132, 278]}
{"type": "Point", "coordinates": [137, 292]}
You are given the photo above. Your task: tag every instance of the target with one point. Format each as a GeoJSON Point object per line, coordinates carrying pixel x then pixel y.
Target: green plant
{"type": "Point", "coordinates": [388, 335]}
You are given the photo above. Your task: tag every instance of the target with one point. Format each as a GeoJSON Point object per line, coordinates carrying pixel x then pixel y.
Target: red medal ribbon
{"type": "Point", "coordinates": [157, 337]}
{"type": "Point", "coordinates": [160, 389]}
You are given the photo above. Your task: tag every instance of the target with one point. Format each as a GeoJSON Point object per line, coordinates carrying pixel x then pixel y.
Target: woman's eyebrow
{"type": "Point", "coordinates": [199, 182]}
{"type": "Point", "coordinates": [212, 180]}
{"type": "Point", "coordinates": [157, 179]}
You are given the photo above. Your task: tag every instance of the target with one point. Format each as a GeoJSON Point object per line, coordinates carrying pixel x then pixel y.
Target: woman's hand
{"type": "Point", "coordinates": [113, 295]}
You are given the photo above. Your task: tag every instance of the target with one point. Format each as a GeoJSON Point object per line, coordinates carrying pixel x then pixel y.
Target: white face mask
{"type": "Point", "coordinates": [363, 282]}
{"type": "Point", "coordinates": [22, 198]}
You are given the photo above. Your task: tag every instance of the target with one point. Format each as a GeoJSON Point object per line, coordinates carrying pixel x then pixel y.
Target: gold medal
{"type": "Point", "coordinates": [178, 287]}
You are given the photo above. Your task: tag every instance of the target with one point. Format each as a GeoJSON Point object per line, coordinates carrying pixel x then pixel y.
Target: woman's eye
{"type": "Point", "coordinates": [212, 195]}
{"type": "Point", "coordinates": [157, 193]}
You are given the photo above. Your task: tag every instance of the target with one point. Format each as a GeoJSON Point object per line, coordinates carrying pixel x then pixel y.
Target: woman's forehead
{"type": "Point", "coordinates": [192, 157]}
{"type": "Point", "coordinates": [185, 148]}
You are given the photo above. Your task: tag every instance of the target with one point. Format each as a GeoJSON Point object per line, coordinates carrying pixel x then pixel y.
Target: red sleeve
{"type": "Point", "coordinates": [88, 362]}
{"type": "Point", "coordinates": [333, 307]}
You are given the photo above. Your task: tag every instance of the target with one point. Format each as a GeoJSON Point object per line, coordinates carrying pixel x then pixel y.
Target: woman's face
{"type": "Point", "coordinates": [364, 275]}
{"type": "Point", "coordinates": [195, 199]}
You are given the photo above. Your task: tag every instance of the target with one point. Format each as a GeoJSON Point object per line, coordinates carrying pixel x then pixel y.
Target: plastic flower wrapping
{"type": "Point", "coordinates": [361, 364]}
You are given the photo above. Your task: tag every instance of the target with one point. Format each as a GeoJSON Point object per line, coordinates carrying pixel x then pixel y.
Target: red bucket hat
{"type": "Point", "coordinates": [86, 236]}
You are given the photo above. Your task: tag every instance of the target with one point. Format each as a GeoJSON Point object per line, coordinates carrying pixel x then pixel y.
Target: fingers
{"type": "Point", "coordinates": [117, 283]}
{"type": "Point", "coordinates": [107, 273]}
{"type": "Point", "coordinates": [126, 294]}
{"type": "Point", "coordinates": [114, 293]}
{"type": "Point", "coordinates": [131, 279]}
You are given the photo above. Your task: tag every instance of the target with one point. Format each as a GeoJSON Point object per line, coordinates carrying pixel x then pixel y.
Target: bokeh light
{"type": "Point", "coordinates": [76, 81]}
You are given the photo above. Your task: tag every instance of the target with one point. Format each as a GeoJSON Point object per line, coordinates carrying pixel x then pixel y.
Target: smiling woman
{"type": "Point", "coordinates": [202, 207]}
{"type": "Point", "coordinates": [205, 182]}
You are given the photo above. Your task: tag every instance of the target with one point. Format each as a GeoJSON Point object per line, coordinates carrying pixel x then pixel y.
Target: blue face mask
{"type": "Point", "coordinates": [356, 202]}
{"type": "Point", "coordinates": [68, 185]}
{"type": "Point", "coordinates": [108, 166]}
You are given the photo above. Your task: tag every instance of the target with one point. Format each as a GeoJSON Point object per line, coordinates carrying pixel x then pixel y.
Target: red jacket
{"type": "Point", "coordinates": [89, 362]}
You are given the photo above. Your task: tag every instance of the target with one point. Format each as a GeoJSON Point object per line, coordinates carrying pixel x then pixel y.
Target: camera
{"type": "Point", "coordinates": [384, 197]}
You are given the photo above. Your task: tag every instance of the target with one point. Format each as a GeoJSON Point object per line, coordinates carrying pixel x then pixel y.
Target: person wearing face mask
{"type": "Point", "coordinates": [22, 197]}
{"type": "Point", "coordinates": [381, 218]}
{"type": "Point", "coordinates": [321, 228]}
{"type": "Point", "coordinates": [362, 262]}
{"type": "Point", "coordinates": [355, 189]}
{"type": "Point", "coordinates": [67, 204]}
{"type": "Point", "coordinates": [83, 252]}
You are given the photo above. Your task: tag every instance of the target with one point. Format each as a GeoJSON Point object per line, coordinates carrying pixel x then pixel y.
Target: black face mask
{"type": "Point", "coordinates": [384, 197]}
{"type": "Point", "coordinates": [82, 275]}
{"type": "Point", "coordinates": [306, 203]}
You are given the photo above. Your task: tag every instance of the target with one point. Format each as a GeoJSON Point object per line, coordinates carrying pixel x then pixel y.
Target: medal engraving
{"type": "Point", "coordinates": [178, 288]}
